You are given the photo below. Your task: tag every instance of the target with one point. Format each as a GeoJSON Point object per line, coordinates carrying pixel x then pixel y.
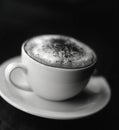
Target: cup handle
{"type": "Point", "coordinates": [9, 70]}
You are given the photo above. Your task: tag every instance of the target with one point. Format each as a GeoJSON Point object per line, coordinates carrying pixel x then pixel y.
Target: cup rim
{"type": "Point", "coordinates": [55, 67]}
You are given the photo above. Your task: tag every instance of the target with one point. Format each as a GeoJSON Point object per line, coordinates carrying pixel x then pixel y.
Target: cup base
{"type": "Point", "coordinates": [92, 99]}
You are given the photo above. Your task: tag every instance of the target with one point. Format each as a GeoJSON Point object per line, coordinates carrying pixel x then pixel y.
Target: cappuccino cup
{"type": "Point", "coordinates": [53, 80]}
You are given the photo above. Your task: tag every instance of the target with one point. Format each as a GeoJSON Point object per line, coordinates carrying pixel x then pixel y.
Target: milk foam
{"type": "Point", "coordinates": [60, 51]}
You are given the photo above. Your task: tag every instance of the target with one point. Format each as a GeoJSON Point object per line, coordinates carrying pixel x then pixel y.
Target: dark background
{"type": "Point", "coordinates": [91, 21]}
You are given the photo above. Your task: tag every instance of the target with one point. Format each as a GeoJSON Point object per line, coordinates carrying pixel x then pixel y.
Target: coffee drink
{"type": "Point", "coordinates": [60, 51]}
{"type": "Point", "coordinates": [56, 67]}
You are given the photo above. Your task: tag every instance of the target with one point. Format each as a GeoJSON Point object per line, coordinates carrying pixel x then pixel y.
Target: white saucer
{"type": "Point", "coordinates": [95, 97]}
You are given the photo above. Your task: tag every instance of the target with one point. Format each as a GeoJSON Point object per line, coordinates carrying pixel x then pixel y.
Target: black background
{"type": "Point", "coordinates": [91, 21]}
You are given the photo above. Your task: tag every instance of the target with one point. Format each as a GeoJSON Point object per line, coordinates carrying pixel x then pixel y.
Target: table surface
{"type": "Point", "coordinates": [87, 21]}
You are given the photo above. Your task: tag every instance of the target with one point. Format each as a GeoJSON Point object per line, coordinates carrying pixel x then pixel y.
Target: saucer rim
{"type": "Point", "coordinates": [51, 114]}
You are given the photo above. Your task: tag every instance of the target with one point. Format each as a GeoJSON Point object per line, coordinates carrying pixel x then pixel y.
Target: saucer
{"type": "Point", "coordinates": [92, 99]}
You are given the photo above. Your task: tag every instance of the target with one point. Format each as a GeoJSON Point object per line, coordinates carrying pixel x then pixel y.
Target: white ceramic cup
{"type": "Point", "coordinates": [49, 82]}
